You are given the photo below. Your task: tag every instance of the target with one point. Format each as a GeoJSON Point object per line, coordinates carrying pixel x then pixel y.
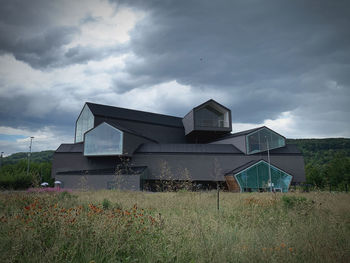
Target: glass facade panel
{"type": "Point", "coordinates": [210, 117]}
{"type": "Point", "coordinates": [103, 140]}
{"type": "Point", "coordinates": [259, 140]}
{"type": "Point", "coordinates": [256, 178]}
{"type": "Point", "coordinates": [84, 123]}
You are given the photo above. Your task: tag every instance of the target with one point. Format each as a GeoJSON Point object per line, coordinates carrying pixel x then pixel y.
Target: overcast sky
{"type": "Point", "coordinates": [284, 64]}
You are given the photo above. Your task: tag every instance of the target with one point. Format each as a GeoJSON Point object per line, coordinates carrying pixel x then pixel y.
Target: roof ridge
{"type": "Point", "coordinates": [127, 109]}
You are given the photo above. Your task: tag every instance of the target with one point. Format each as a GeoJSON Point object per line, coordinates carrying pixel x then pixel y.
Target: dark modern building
{"type": "Point", "coordinates": [129, 149]}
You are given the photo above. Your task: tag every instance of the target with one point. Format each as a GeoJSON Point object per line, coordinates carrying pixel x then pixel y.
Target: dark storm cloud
{"type": "Point", "coordinates": [29, 31]}
{"type": "Point", "coordinates": [265, 53]}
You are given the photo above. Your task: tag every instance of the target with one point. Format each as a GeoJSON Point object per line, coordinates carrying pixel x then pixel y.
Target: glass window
{"type": "Point", "coordinates": [103, 140]}
{"type": "Point", "coordinates": [210, 117]}
{"type": "Point", "coordinates": [256, 178]}
{"type": "Point", "coordinates": [258, 141]}
{"type": "Point", "coordinates": [84, 123]}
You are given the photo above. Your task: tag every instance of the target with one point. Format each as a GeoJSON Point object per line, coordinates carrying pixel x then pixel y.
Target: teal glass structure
{"type": "Point", "coordinates": [256, 178]}
{"type": "Point", "coordinates": [264, 139]}
{"type": "Point", "coordinates": [84, 123]}
{"type": "Point", "coordinates": [103, 140]}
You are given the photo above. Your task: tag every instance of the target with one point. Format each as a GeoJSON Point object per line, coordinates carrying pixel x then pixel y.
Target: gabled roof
{"type": "Point", "coordinates": [250, 164]}
{"type": "Point", "coordinates": [188, 148]}
{"type": "Point", "coordinates": [135, 115]}
{"type": "Point", "coordinates": [242, 167]}
{"type": "Point", "coordinates": [211, 101]}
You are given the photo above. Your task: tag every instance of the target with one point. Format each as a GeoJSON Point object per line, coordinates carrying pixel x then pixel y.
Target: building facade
{"type": "Point", "coordinates": [135, 150]}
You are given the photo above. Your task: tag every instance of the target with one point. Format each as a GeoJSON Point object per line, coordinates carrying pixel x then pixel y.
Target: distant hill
{"type": "Point", "coordinates": [321, 151]}
{"type": "Point", "coordinates": [36, 157]}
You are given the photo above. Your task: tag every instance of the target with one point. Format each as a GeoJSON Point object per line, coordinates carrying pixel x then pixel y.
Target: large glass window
{"type": "Point", "coordinates": [211, 117]}
{"type": "Point", "coordinates": [103, 140]}
{"type": "Point", "coordinates": [84, 123]}
{"type": "Point", "coordinates": [256, 178]}
{"type": "Point", "coordinates": [258, 141]}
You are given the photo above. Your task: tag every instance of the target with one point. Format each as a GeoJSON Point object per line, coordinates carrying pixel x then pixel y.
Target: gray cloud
{"type": "Point", "coordinates": [258, 58]}
{"type": "Point", "coordinates": [273, 56]}
{"type": "Point", "coordinates": [30, 31]}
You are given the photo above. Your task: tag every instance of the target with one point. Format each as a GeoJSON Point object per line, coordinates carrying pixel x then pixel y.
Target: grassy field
{"type": "Point", "coordinates": [114, 226]}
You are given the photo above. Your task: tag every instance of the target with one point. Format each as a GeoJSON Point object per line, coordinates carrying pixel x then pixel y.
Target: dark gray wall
{"type": "Point", "coordinates": [239, 142]}
{"type": "Point", "coordinates": [188, 122]}
{"type": "Point", "coordinates": [201, 167]}
{"type": "Point", "coordinates": [63, 162]}
{"type": "Point", "coordinates": [162, 134]}
{"type": "Point", "coordinates": [95, 182]}
{"type": "Point", "coordinates": [132, 142]}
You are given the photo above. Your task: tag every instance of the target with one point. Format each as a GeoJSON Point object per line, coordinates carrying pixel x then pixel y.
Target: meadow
{"type": "Point", "coordinates": [117, 226]}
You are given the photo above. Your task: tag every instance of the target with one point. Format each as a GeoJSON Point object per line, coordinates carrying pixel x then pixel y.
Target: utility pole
{"type": "Point", "coordinates": [30, 152]}
{"type": "Point", "coordinates": [268, 158]}
{"type": "Point", "coordinates": [1, 159]}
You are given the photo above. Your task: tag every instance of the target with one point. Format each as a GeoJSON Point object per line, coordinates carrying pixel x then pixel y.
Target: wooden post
{"type": "Point", "coordinates": [218, 195]}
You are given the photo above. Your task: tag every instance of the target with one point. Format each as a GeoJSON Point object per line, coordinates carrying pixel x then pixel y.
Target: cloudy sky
{"type": "Point", "coordinates": [284, 64]}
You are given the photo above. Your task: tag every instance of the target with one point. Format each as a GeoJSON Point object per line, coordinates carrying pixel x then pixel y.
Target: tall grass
{"type": "Point", "coordinates": [115, 226]}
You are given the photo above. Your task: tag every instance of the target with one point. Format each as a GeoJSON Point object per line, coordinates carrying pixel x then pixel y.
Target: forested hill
{"type": "Point", "coordinates": [322, 151]}
{"type": "Point", "coordinates": [36, 157]}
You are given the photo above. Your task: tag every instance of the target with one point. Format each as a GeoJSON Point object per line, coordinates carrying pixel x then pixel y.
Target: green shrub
{"type": "Point", "coordinates": [292, 201]}
{"type": "Point", "coordinates": [16, 181]}
{"type": "Point", "coordinates": [106, 204]}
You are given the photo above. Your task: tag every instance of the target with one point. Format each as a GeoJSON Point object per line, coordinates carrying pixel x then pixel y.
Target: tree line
{"type": "Point", "coordinates": [327, 162]}
{"type": "Point", "coordinates": [14, 173]}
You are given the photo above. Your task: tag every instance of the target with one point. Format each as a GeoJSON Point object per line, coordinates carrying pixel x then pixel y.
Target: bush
{"type": "Point", "coordinates": [17, 181]}
{"type": "Point", "coordinates": [292, 201]}
{"type": "Point", "coordinates": [106, 204]}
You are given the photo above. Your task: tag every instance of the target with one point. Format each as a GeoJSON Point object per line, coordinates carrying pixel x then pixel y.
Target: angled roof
{"type": "Point", "coordinates": [122, 128]}
{"type": "Point", "coordinates": [135, 115]}
{"type": "Point", "coordinates": [246, 132]}
{"type": "Point", "coordinates": [188, 148]}
{"type": "Point", "coordinates": [249, 164]}
{"type": "Point", "coordinates": [70, 147]}
{"type": "Point", "coordinates": [242, 167]}
{"type": "Point", "coordinates": [209, 101]}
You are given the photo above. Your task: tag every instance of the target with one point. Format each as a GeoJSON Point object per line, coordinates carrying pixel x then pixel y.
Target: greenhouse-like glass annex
{"type": "Point", "coordinates": [255, 178]}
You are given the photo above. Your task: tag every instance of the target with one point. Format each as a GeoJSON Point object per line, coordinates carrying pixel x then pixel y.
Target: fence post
{"type": "Point", "coordinates": [218, 197]}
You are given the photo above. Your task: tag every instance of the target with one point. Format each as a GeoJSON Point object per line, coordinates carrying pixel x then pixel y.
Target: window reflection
{"type": "Point", "coordinates": [84, 123]}
{"type": "Point", "coordinates": [262, 139]}
{"type": "Point", "coordinates": [256, 178]}
{"type": "Point", "coordinates": [103, 140]}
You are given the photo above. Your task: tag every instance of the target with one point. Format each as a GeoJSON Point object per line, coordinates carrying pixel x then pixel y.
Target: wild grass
{"type": "Point", "coordinates": [116, 226]}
